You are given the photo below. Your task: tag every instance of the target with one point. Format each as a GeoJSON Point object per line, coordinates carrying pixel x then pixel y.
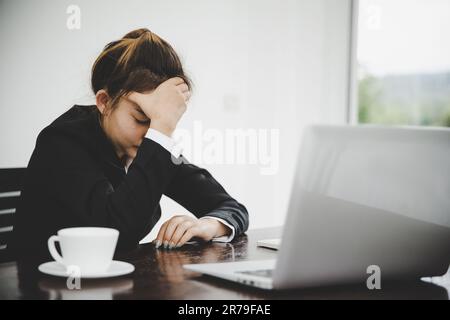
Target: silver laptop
{"type": "Point", "coordinates": [362, 196]}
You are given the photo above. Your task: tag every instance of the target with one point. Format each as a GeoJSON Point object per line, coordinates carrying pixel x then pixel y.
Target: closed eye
{"type": "Point", "coordinates": [146, 121]}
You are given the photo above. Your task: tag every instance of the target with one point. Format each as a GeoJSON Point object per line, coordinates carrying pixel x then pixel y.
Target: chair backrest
{"type": "Point", "coordinates": [10, 186]}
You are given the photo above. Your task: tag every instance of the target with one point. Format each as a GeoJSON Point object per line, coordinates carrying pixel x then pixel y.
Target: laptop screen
{"type": "Point", "coordinates": [401, 170]}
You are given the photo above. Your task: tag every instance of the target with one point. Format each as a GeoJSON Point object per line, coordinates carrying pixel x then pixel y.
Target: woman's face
{"type": "Point", "coordinates": [126, 126]}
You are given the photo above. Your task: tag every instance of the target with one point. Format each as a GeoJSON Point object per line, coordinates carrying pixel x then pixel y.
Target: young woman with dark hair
{"type": "Point", "coordinates": [109, 164]}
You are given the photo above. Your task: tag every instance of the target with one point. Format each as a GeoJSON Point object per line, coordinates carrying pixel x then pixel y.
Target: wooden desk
{"type": "Point", "coordinates": [159, 275]}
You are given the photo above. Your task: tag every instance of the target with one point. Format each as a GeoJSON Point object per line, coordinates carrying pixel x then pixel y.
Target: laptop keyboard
{"type": "Point", "coordinates": [261, 273]}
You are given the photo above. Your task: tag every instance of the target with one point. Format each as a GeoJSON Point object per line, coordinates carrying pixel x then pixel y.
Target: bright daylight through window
{"type": "Point", "coordinates": [403, 62]}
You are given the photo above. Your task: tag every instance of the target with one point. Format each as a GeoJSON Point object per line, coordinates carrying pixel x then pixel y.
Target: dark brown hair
{"type": "Point", "coordinates": [140, 61]}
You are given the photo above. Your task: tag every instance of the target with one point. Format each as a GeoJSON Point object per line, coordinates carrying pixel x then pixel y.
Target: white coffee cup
{"type": "Point", "coordinates": [88, 248]}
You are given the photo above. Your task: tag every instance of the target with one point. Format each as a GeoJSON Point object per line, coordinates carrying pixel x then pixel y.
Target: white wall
{"type": "Point", "coordinates": [255, 64]}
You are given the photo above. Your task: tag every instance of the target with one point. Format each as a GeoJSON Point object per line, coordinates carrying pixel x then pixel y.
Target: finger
{"type": "Point", "coordinates": [183, 87]}
{"type": "Point", "coordinates": [171, 226]}
{"type": "Point", "coordinates": [179, 231]}
{"type": "Point", "coordinates": [135, 97]}
{"type": "Point", "coordinates": [175, 81]}
{"type": "Point", "coordinates": [188, 235]}
{"type": "Point", "coordinates": [159, 237]}
{"type": "Point", "coordinates": [187, 95]}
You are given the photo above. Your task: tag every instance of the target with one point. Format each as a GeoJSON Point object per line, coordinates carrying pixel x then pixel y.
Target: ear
{"type": "Point", "coordinates": [101, 100]}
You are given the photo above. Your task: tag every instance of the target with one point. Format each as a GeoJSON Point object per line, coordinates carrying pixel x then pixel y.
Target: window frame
{"type": "Point", "coordinates": [352, 105]}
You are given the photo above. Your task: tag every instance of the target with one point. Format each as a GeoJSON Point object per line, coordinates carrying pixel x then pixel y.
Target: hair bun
{"type": "Point", "coordinates": [136, 33]}
{"type": "Point", "coordinates": [140, 61]}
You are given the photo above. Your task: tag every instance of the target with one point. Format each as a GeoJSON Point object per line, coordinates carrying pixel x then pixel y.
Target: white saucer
{"type": "Point", "coordinates": [117, 268]}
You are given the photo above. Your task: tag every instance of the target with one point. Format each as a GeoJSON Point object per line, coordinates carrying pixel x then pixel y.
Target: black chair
{"type": "Point", "coordinates": [10, 186]}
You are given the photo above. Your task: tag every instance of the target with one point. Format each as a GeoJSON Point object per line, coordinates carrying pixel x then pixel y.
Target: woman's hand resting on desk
{"type": "Point", "coordinates": [176, 231]}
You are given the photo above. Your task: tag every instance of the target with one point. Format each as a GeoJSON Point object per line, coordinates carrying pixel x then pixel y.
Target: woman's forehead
{"type": "Point", "coordinates": [128, 105]}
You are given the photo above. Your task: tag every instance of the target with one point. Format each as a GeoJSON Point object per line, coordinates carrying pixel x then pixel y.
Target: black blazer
{"type": "Point", "coordinates": [74, 178]}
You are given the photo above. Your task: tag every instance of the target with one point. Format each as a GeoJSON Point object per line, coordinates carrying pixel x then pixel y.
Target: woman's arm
{"type": "Point", "coordinates": [192, 187]}
{"type": "Point", "coordinates": [196, 190]}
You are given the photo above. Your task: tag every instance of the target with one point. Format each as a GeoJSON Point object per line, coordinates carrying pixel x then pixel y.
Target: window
{"type": "Point", "coordinates": [402, 62]}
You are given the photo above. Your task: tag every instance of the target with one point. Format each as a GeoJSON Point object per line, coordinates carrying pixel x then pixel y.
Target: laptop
{"type": "Point", "coordinates": [362, 196]}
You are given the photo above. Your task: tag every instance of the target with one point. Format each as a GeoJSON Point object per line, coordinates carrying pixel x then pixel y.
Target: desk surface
{"type": "Point", "coordinates": [159, 275]}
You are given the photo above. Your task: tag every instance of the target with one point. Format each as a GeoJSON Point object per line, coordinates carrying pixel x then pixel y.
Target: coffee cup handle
{"type": "Point", "coordinates": [54, 253]}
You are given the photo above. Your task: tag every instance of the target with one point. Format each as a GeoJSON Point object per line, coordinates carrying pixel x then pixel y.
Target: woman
{"type": "Point", "coordinates": [93, 166]}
